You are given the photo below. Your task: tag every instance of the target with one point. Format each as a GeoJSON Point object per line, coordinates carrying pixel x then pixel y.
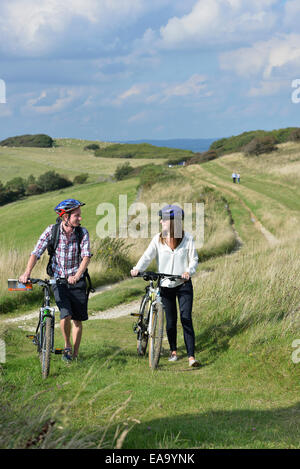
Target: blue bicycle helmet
{"type": "Point", "coordinates": [67, 206]}
{"type": "Point", "coordinates": [169, 212]}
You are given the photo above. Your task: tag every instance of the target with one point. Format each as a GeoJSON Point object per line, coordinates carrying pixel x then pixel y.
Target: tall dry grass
{"type": "Point", "coordinates": [253, 290]}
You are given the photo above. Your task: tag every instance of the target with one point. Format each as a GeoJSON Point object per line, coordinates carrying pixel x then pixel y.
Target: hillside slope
{"type": "Point", "coordinates": [246, 319]}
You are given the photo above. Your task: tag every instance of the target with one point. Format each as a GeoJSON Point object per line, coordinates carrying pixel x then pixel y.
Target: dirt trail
{"type": "Point", "coordinates": [272, 240]}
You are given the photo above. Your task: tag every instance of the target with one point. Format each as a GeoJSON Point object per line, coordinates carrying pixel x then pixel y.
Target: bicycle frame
{"type": "Point", "coordinates": [154, 293]}
{"type": "Point", "coordinates": [45, 311]}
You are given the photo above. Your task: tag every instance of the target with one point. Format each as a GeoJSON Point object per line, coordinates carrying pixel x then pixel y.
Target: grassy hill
{"type": "Point", "coordinates": [246, 319]}
{"type": "Point", "coordinates": [141, 151]}
{"type": "Point", "coordinates": [67, 157]}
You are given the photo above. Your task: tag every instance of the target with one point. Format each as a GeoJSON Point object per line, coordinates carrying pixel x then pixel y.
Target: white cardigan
{"type": "Point", "coordinates": [183, 259]}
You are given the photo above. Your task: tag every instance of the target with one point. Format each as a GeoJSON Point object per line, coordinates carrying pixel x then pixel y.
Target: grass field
{"type": "Point", "coordinates": [67, 158]}
{"type": "Point", "coordinates": [246, 319]}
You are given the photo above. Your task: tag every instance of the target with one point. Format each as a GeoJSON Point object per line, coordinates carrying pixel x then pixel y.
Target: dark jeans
{"type": "Point", "coordinates": [71, 300]}
{"type": "Point", "coordinates": [184, 293]}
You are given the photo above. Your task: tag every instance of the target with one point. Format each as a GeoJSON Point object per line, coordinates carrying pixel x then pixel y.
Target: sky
{"type": "Point", "coordinates": [154, 69]}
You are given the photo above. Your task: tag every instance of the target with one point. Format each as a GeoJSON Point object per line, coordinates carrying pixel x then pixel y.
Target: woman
{"type": "Point", "coordinates": [175, 254]}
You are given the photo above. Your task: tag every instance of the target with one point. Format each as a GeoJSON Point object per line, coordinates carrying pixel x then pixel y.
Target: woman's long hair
{"type": "Point", "coordinates": [176, 232]}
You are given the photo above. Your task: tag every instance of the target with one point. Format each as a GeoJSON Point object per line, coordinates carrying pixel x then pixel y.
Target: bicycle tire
{"type": "Point", "coordinates": [142, 336]}
{"type": "Point", "coordinates": [156, 336]}
{"type": "Point", "coordinates": [45, 347]}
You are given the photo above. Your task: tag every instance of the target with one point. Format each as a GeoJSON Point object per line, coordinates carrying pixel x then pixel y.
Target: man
{"type": "Point", "coordinates": [69, 261]}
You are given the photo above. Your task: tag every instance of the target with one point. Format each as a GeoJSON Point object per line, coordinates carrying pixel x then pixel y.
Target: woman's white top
{"type": "Point", "coordinates": [182, 259]}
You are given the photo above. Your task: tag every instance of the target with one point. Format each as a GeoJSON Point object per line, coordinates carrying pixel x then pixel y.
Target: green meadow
{"type": "Point", "coordinates": [246, 320]}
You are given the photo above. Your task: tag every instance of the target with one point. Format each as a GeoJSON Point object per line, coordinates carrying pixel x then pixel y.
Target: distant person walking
{"type": "Point", "coordinates": [238, 177]}
{"type": "Point", "coordinates": [233, 177]}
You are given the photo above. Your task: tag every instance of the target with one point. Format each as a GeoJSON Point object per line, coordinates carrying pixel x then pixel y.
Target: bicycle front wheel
{"type": "Point", "coordinates": [156, 335]}
{"type": "Point", "coordinates": [45, 350]}
{"type": "Point", "coordinates": [142, 335]}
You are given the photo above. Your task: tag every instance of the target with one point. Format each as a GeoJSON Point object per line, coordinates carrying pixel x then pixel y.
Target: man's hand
{"type": "Point", "coordinates": [24, 278]}
{"type": "Point", "coordinates": [73, 279]}
{"type": "Point", "coordinates": [134, 272]}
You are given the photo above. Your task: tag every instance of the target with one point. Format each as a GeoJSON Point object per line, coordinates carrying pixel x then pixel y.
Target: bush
{"type": "Point", "coordinates": [38, 140]}
{"type": "Point", "coordinates": [123, 171]}
{"type": "Point", "coordinates": [92, 146]}
{"type": "Point", "coordinates": [52, 181]}
{"type": "Point", "coordinates": [202, 157]}
{"type": "Point", "coordinates": [257, 146]}
{"type": "Point", "coordinates": [152, 173]}
{"type": "Point", "coordinates": [80, 178]}
{"type": "Point", "coordinates": [33, 189]}
{"type": "Point", "coordinates": [295, 135]}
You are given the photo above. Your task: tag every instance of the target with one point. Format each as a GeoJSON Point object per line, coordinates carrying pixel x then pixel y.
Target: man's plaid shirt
{"type": "Point", "coordinates": [66, 260]}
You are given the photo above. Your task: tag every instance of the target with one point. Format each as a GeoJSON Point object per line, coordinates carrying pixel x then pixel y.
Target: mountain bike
{"type": "Point", "coordinates": [150, 324]}
{"type": "Point", "coordinates": [44, 335]}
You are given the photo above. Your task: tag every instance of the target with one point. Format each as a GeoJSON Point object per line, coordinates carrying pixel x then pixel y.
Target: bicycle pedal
{"type": "Point", "coordinates": [30, 337]}
{"type": "Point", "coordinates": [58, 351]}
{"type": "Point", "coordinates": [135, 314]}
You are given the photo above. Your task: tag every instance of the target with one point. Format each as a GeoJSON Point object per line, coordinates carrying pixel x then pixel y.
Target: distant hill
{"type": "Point", "coordinates": [237, 143]}
{"type": "Point", "coordinates": [193, 144]}
{"type": "Point", "coordinates": [141, 151]}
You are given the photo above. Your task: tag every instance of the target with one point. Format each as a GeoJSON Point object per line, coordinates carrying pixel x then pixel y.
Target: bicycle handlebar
{"type": "Point", "coordinates": [158, 275]}
{"type": "Point", "coordinates": [47, 282]}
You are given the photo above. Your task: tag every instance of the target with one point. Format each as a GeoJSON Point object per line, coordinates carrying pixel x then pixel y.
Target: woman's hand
{"type": "Point", "coordinates": [134, 272]}
{"type": "Point", "coordinates": [186, 276]}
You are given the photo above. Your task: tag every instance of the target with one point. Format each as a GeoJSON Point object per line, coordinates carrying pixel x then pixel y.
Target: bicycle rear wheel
{"type": "Point", "coordinates": [142, 335]}
{"type": "Point", "coordinates": [45, 350]}
{"type": "Point", "coordinates": [156, 335]}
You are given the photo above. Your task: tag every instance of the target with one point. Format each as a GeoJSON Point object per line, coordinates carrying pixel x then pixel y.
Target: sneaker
{"type": "Point", "coordinates": [67, 355]}
{"type": "Point", "coordinates": [194, 363]}
{"type": "Point", "coordinates": [173, 358]}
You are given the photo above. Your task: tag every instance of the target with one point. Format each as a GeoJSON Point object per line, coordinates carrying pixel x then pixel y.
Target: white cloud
{"type": "Point", "coordinates": [218, 21]}
{"type": "Point", "coordinates": [281, 53]}
{"type": "Point", "coordinates": [36, 26]}
{"type": "Point", "coordinates": [268, 88]}
{"type": "Point", "coordinates": [60, 103]}
{"type": "Point", "coordinates": [149, 93]}
{"type": "Point", "coordinates": [193, 87]}
{"type": "Point", "coordinates": [137, 117]}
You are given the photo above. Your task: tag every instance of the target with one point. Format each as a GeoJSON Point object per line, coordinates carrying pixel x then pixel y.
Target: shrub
{"type": "Point", "coordinates": [260, 145]}
{"type": "Point", "coordinates": [33, 189]}
{"type": "Point", "coordinates": [152, 173]}
{"type": "Point", "coordinates": [295, 135]}
{"type": "Point", "coordinates": [52, 181]}
{"type": "Point", "coordinates": [202, 157]}
{"type": "Point", "coordinates": [80, 178]}
{"type": "Point", "coordinates": [92, 146]}
{"type": "Point", "coordinates": [16, 185]}
{"type": "Point", "coordinates": [123, 171]}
